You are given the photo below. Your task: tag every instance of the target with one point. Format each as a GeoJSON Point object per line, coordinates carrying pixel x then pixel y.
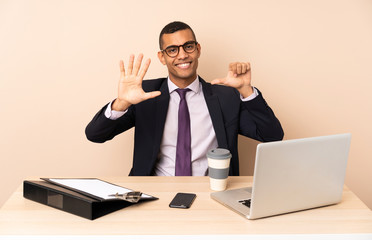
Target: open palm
{"type": "Point", "coordinates": [130, 84]}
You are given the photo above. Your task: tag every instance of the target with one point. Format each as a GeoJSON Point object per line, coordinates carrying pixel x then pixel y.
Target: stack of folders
{"type": "Point", "coordinates": [90, 198]}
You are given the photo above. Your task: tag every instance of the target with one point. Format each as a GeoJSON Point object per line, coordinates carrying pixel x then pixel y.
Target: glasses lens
{"type": "Point", "coordinates": [172, 51]}
{"type": "Point", "coordinates": [189, 47]}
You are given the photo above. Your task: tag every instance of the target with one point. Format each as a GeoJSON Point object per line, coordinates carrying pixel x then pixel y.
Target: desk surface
{"type": "Point", "coordinates": [20, 216]}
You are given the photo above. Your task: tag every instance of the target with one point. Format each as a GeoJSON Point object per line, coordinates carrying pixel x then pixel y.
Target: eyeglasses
{"type": "Point", "coordinates": [189, 47]}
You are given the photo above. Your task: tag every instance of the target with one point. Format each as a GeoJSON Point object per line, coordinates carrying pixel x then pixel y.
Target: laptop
{"type": "Point", "coordinates": [292, 175]}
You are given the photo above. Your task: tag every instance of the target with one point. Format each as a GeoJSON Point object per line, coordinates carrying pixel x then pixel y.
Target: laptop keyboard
{"type": "Point", "coordinates": [246, 202]}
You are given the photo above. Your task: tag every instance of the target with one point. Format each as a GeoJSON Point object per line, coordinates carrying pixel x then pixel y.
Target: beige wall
{"type": "Point", "coordinates": [59, 66]}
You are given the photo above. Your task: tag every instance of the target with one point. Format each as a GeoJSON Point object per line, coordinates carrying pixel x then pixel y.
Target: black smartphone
{"type": "Point", "coordinates": [182, 200]}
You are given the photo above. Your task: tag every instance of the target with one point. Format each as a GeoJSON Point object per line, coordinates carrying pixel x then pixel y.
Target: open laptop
{"type": "Point", "coordinates": [292, 175]}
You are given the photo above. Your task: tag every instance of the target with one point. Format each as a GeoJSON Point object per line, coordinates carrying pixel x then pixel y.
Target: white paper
{"type": "Point", "coordinates": [94, 187]}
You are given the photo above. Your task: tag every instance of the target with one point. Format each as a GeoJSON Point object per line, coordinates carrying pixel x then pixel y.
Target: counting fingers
{"type": "Point", "coordinates": [122, 69]}
{"type": "Point", "coordinates": [239, 68]}
{"type": "Point", "coordinates": [144, 68]}
{"type": "Point", "coordinates": [130, 64]}
{"type": "Point", "coordinates": [248, 66]}
{"type": "Point", "coordinates": [137, 65]}
{"type": "Point", "coordinates": [134, 66]}
{"type": "Point", "coordinates": [244, 68]}
{"type": "Point", "coordinates": [232, 67]}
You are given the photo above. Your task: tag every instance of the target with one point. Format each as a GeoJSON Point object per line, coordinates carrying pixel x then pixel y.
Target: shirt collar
{"type": "Point", "coordinates": [194, 86]}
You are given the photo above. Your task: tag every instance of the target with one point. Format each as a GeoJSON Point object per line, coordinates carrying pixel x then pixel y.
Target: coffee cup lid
{"type": "Point", "coordinates": [219, 153]}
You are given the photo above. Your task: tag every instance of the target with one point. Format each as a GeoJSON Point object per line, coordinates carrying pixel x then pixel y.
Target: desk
{"type": "Point", "coordinates": [20, 216]}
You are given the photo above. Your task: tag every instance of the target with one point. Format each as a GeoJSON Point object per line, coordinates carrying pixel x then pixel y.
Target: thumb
{"type": "Point", "coordinates": [218, 81]}
{"type": "Point", "coordinates": [153, 94]}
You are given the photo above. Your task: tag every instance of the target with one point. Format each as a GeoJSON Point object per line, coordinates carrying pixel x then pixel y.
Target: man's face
{"type": "Point", "coordinates": [182, 68]}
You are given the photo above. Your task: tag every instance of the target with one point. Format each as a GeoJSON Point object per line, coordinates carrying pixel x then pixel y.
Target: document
{"type": "Point", "coordinates": [94, 187]}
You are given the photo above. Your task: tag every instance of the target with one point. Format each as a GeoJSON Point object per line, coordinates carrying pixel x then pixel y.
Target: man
{"type": "Point", "coordinates": [179, 118]}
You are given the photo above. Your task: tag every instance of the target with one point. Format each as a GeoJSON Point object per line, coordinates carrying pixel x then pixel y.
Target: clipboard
{"type": "Point", "coordinates": [76, 201]}
{"type": "Point", "coordinates": [98, 189]}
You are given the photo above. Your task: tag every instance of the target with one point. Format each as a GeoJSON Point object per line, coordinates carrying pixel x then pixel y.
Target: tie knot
{"type": "Point", "coordinates": [182, 92]}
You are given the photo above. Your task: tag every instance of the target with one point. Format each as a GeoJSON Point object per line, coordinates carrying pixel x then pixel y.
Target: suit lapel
{"type": "Point", "coordinates": [161, 105]}
{"type": "Point", "coordinates": [215, 112]}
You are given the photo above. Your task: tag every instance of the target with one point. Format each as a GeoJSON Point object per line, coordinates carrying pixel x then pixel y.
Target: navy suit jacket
{"type": "Point", "coordinates": [230, 117]}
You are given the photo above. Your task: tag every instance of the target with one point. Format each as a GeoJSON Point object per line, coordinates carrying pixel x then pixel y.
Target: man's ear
{"type": "Point", "coordinates": [198, 48]}
{"type": "Point", "coordinates": [161, 57]}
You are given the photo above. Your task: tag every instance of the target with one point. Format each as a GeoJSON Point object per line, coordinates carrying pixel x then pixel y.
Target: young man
{"type": "Point", "coordinates": [179, 119]}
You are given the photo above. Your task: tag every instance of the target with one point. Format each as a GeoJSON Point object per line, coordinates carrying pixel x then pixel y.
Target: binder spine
{"type": "Point", "coordinates": [57, 199]}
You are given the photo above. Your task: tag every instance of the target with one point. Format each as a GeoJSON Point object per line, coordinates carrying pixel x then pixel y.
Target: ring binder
{"type": "Point", "coordinates": [73, 202]}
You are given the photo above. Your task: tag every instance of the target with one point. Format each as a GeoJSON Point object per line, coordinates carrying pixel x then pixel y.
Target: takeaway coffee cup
{"type": "Point", "coordinates": [218, 168]}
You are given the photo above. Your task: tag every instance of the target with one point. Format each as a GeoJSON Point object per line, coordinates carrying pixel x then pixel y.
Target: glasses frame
{"type": "Point", "coordinates": [178, 48]}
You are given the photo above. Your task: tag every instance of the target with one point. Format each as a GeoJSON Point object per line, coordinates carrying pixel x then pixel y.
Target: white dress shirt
{"type": "Point", "coordinates": [203, 136]}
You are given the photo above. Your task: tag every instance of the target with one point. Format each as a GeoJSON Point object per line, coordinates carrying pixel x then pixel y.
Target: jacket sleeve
{"type": "Point", "coordinates": [101, 129]}
{"type": "Point", "coordinates": [259, 122]}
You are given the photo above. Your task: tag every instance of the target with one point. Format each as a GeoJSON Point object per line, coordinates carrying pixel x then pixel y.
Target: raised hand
{"type": "Point", "coordinates": [239, 77]}
{"type": "Point", "coordinates": [130, 84]}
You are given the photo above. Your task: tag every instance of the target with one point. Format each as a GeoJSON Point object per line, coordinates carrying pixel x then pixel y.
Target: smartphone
{"type": "Point", "coordinates": [182, 200]}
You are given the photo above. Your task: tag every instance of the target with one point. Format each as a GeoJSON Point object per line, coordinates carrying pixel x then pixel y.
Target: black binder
{"type": "Point", "coordinates": [71, 201]}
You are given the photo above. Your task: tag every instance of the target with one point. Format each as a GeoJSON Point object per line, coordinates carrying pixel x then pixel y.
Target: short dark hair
{"type": "Point", "coordinates": [172, 28]}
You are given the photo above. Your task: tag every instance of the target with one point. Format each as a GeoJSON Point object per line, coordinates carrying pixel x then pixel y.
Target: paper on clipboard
{"type": "Point", "coordinates": [94, 187]}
